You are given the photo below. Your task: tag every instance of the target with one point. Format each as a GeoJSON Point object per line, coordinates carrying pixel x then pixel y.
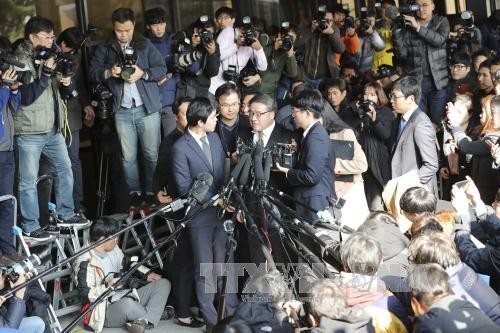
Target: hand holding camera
{"type": "Point", "coordinates": [136, 74]}
{"type": "Point", "coordinates": [9, 78]}
{"type": "Point", "coordinates": [115, 71]}
{"type": "Point", "coordinates": [210, 47]}
{"type": "Point", "coordinates": [49, 66]}
{"type": "Point", "coordinates": [411, 21]}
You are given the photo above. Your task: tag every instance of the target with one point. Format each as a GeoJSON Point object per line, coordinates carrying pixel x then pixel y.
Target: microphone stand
{"type": "Point", "coordinates": [127, 275]}
{"type": "Point", "coordinates": [231, 245]}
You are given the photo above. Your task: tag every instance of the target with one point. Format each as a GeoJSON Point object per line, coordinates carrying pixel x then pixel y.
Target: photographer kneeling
{"type": "Point", "coordinates": [99, 269]}
{"type": "Point", "coordinates": [12, 309]}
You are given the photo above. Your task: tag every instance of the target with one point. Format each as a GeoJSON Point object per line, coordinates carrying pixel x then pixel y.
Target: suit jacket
{"type": "Point", "coordinates": [415, 149]}
{"type": "Point", "coordinates": [313, 177]}
{"type": "Point", "coordinates": [163, 172]}
{"type": "Point", "coordinates": [188, 161]}
{"type": "Point", "coordinates": [278, 135]}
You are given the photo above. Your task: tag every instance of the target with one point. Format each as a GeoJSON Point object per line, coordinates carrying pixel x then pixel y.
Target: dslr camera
{"type": "Point", "coordinates": [248, 31]}
{"type": "Point", "coordinates": [321, 18]}
{"type": "Point", "coordinates": [128, 62]}
{"type": "Point", "coordinates": [286, 39]}
{"type": "Point", "coordinates": [13, 271]}
{"type": "Point", "coordinates": [364, 22]}
{"type": "Point", "coordinates": [231, 74]}
{"type": "Point", "coordinates": [206, 36]}
{"type": "Point", "coordinates": [7, 61]}
{"type": "Point", "coordinates": [364, 108]}
{"type": "Point", "coordinates": [65, 62]}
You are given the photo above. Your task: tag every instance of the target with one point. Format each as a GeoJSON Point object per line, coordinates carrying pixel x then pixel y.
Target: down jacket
{"type": "Point", "coordinates": [412, 45]}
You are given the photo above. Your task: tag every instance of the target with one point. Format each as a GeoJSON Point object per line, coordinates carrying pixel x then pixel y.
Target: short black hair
{"type": "Point", "coordinates": [481, 52]}
{"type": "Point", "coordinates": [310, 100]}
{"type": "Point", "coordinates": [224, 10]}
{"type": "Point", "coordinates": [340, 84]}
{"type": "Point", "coordinates": [103, 227]}
{"type": "Point", "coordinates": [178, 102]}
{"type": "Point", "coordinates": [122, 15]}
{"type": "Point", "coordinates": [72, 37]}
{"type": "Point", "coordinates": [199, 109]}
{"type": "Point", "coordinates": [485, 64]}
{"type": "Point", "coordinates": [37, 24]}
{"type": "Point", "coordinates": [226, 89]}
{"type": "Point", "coordinates": [460, 58]}
{"type": "Point", "coordinates": [349, 64]}
{"type": "Point", "coordinates": [409, 85]}
{"type": "Point", "coordinates": [266, 100]}
{"type": "Point", "coordinates": [155, 15]}
{"type": "Point", "coordinates": [417, 200]}
{"type": "Point", "coordinates": [495, 61]}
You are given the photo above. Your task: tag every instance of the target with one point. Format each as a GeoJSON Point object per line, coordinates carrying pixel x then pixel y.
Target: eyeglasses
{"type": "Point", "coordinates": [257, 114]}
{"type": "Point", "coordinates": [227, 106]}
{"type": "Point", "coordinates": [46, 37]}
{"type": "Point", "coordinates": [457, 67]}
{"type": "Point", "coordinates": [395, 97]}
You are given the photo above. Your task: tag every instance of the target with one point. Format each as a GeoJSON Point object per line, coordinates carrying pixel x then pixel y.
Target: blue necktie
{"type": "Point", "coordinates": [402, 124]}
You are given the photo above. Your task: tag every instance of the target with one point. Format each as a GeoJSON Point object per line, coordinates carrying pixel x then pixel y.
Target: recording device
{"type": "Point", "coordinates": [384, 71]}
{"type": "Point", "coordinates": [7, 61]}
{"type": "Point", "coordinates": [102, 101]}
{"type": "Point", "coordinates": [285, 154]}
{"type": "Point", "coordinates": [129, 60]}
{"type": "Point", "coordinates": [364, 22]}
{"type": "Point", "coordinates": [12, 272]}
{"type": "Point", "coordinates": [364, 108]}
{"type": "Point", "coordinates": [183, 53]}
{"type": "Point", "coordinates": [65, 61]}
{"type": "Point", "coordinates": [206, 36]}
{"type": "Point", "coordinates": [199, 190]}
{"type": "Point", "coordinates": [321, 18]}
{"type": "Point", "coordinates": [349, 22]}
{"type": "Point", "coordinates": [396, 14]}
{"type": "Point", "coordinates": [248, 31]}
{"type": "Point", "coordinates": [230, 74]}
{"type": "Point", "coordinates": [467, 35]}
{"type": "Point", "coordinates": [286, 39]}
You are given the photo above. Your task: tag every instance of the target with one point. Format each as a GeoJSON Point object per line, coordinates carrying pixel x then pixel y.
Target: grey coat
{"type": "Point", "coordinates": [412, 45]}
{"type": "Point", "coordinates": [416, 149]}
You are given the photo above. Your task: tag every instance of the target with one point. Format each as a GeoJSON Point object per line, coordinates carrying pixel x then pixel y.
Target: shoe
{"type": "Point", "coordinates": [137, 326]}
{"type": "Point", "coordinates": [168, 313]}
{"type": "Point", "coordinates": [39, 235]}
{"type": "Point", "coordinates": [53, 229]}
{"type": "Point", "coordinates": [16, 257]}
{"type": "Point", "coordinates": [6, 261]}
{"type": "Point", "coordinates": [78, 220]}
{"type": "Point", "coordinates": [194, 323]}
{"type": "Point", "coordinates": [135, 200]}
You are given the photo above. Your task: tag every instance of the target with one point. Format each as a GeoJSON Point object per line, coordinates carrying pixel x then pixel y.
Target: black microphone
{"type": "Point", "coordinates": [258, 156]}
{"type": "Point", "coordinates": [392, 12]}
{"type": "Point", "coordinates": [245, 171]}
{"type": "Point", "coordinates": [239, 166]}
{"type": "Point", "coordinates": [199, 190]}
{"type": "Point", "coordinates": [268, 163]}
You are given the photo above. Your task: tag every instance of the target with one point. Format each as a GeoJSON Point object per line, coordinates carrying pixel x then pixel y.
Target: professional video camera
{"type": "Point", "coordinates": [321, 18]}
{"type": "Point", "coordinates": [285, 154]}
{"type": "Point", "coordinates": [8, 60]}
{"type": "Point", "coordinates": [206, 36]}
{"type": "Point", "coordinates": [102, 101]}
{"type": "Point", "coordinates": [364, 108]}
{"type": "Point", "coordinates": [248, 31]}
{"type": "Point", "coordinates": [396, 14]}
{"type": "Point", "coordinates": [286, 39]}
{"type": "Point", "coordinates": [364, 22]}
{"type": "Point", "coordinates": [12, 272]}
{"type": "Point", "coordinates": [65, 61]}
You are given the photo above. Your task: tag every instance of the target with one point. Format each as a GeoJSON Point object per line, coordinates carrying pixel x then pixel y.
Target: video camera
{"type": "Point", "coordinates": [102, 101]}
{"type": "Point", "coordinates": [286, 39]}
{"type": "Point", "coordinates": [7, 61]}
{"type": "Point", "coordinates": [65, 62]}
{"type": "Point", "coordinates": [206, 36]}
{"type": "Point", "coordinates": [12, 272]}
{"type": "Point", "coordinates": [396, 14]}
{"type": "Point", "coordinates": [248, 31]}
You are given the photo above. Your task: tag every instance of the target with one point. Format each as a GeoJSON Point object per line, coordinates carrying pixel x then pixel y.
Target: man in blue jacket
{"type": "Point", "coordinates": [137, 99]}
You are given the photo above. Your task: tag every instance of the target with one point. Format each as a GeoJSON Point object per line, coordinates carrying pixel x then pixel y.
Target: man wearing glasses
{"type": "Point", "coordinates": [38, 129]}
{"type": "Point", "coordinates": [413, 136]}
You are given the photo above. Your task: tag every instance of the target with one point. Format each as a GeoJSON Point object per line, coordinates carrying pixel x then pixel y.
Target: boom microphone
{"type": "Point", "coordinates": [392, 12]}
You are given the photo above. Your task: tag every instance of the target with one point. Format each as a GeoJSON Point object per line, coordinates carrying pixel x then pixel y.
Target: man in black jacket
{"type": "Point", "coordinates": [421, 48]}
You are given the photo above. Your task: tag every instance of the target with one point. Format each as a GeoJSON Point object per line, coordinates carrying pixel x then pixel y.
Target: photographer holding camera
{"type": "Point", "coordinates": [12, 310]}
{"type": "Point", "coordinates": [39, 126]}
{"type": "Point", "coordinates": [280, 57]}
{"type": "Point", "coordinates": [369, 41]}
{"type": "Point", "coordinates": [131, 67]}
{"type": "Point", "coordinates": [238, 47]}
{"type": "Point", "coordinates": [320, 46]}
{"type": "Point", "coordinates": [421, 47]}
{"type": "Point", "coordinates": [203, 61]}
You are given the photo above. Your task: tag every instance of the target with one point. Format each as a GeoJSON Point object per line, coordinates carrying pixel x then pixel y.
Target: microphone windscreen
{"type": "Point", "coordinates": [201, 186]}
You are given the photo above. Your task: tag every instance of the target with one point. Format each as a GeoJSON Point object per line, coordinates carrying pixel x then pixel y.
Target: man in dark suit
{"type": "Point", "coordinates": [313, 178]}
{"type": "Point", "coordinates": [413, 135]}
{"type": "Point", "coordinates": [262, 112]}
{"type": "Point", "coordinates": [198, 151]}
{"type": "Point", "coordinates": [181, 271]}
